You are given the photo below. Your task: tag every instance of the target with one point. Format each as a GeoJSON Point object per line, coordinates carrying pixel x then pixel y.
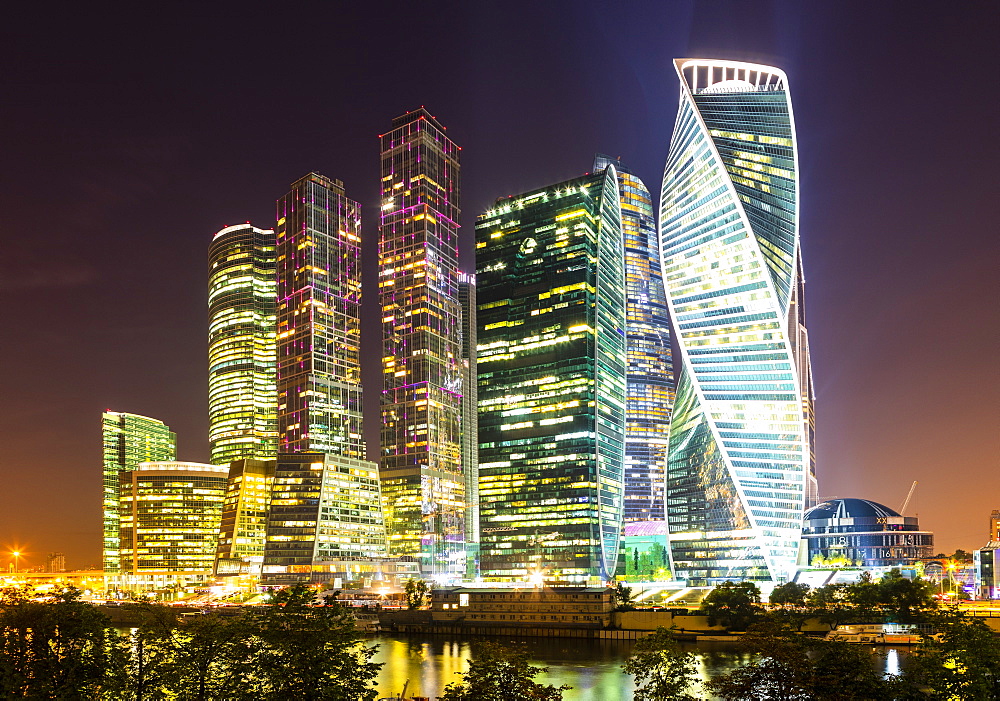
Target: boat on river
{"type": "Point", "coordinates": [881, 633]}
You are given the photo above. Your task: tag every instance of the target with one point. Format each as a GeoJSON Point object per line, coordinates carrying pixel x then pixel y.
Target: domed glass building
{"type": "Point", "coordinates": [863, 533]}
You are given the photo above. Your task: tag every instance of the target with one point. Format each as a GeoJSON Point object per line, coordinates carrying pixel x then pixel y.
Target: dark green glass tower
{"type": "Point", "coordinates": [552, 373]}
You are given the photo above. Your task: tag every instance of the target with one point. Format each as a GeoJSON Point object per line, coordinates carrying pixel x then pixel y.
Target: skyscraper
{"type": "Point", "coordinates": [650, 395]}
{"type": "Point", "coordinates": [129, 439]}
{"type": "Point", "coordinates": [319, 392]}
{"type": "Point", "coordinates": [470, 420]}
{"type": "Point", "coordinates": [319, 319]}
{"type": "Point", "coordinates": [739, 471]}
{"type": "Point", "coordinates": [170, 515]}
{"type": "Point", "coordinates": [242, 398]}
{"type": "Point", "coordinates": [550, 273]}
{"type": "Point", "coordinates": [423, 486]}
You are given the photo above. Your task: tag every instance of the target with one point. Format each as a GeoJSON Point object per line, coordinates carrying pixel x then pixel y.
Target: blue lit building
{"type": "Point", "coordinates": [551, 325]}
{"type": "Point", "coordinates": [650, 394]}
{"type": "Point", "coordinates": [740, 472]}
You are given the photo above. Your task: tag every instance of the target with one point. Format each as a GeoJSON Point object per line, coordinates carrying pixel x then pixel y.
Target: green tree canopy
{"type": "Point", "coordinates": [662, 670]}
{"type": "Point", "coordinates": [734, 605]}
{"type": "Point", "coordinates": [501, 673]}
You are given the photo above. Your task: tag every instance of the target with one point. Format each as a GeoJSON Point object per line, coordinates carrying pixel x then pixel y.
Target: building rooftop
{"type": "Point", "coordinates": [849, 508]}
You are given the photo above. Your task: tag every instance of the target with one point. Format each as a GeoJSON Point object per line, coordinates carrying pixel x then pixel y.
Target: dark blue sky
{"type": "Point", "coordinates": [131, 136]}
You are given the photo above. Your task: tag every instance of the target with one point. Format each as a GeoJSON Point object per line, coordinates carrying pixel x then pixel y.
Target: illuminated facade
{"type": "Point", "coordinates": [739, 471]}
{"type": "Point", "coordinates": [325, 521]}
{"type": "Point", "coordinates": [650, 394]}
{"type": "Point", "coordinates": [170, 515]}
{"type": "Point", "coordinates": [321, 455]}
{"type": "Point", "coordinates": [863, 533]}
{"type": "Point", "coordinates": [552, 380]}
{"type": "Point", "coordinates": [242, 397]}
{"type": "Point", "coordinates": [129, 439]}
{"type": "Point", "coordinates": [319, 319]}
{"type": "Point", "coordinates": [470, 421]}
{"type": "Point", "coordinates": [423, 485]}
{"type": "Point", "coordinates": [244, 518]}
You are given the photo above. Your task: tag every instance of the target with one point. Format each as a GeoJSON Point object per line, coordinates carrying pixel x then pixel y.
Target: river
{"type": "Point", "coordinates": [591, 667]}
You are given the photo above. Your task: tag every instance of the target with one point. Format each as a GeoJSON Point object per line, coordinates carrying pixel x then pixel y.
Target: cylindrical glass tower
{"type": "Point", "coordinates": [242, 297]}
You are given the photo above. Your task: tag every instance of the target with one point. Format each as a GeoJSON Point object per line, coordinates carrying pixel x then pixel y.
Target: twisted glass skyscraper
{"type": "Point", "coordinates": [739, 471]}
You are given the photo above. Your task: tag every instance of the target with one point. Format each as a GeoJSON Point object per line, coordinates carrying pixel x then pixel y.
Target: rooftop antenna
{"type": "Point", "coordinates": [902, 509]}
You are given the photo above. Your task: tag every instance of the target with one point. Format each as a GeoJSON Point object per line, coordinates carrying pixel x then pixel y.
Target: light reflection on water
{"type": "Point", "coordinates": [591, 667]}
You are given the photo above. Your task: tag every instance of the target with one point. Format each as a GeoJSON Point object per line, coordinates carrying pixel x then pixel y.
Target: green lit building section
{"type": "Point", "coordinates": [242, 395]}
{"type": "Point", "coordinates": [128, 439]}
{"type": "Point", "coordinates": [170, 515]}
{"type": "Point", "coordinates": [325, 521]}
{"type": "Point", "coordinates": [650, 396]}
{"type": "Point", "coordinates": [551, 382]}
{"type": "Point", "coordinates": [739, 471]}
{"type": "Point", "coordinates": [244, 518]}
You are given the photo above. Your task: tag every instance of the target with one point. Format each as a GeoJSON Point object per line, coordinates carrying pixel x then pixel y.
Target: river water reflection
{"type": "Point", "coordinates": [591, 667]}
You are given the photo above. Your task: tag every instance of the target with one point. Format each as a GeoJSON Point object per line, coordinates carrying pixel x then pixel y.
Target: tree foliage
{"type": "Point", "coordinates": [789, 594]}
{"type": "Point", "coordinates": [51, 650]}
{"type": "Point", "coordinates": [501, 673]}
{"type": "Point", "coordinates": [416, 593]}
{"type": "Point", "coordinates": [733, 605]}
{"type": "Point", "coordinates": [791, 666]}
{"type": "Point", "coordinates": [622, 598]}
{"type": "Point", "coordinates": [662, 670]}
{"type": "Point", "coordinates": [287, 650]}
{"type": "Point", "coordinates": [961, 662]}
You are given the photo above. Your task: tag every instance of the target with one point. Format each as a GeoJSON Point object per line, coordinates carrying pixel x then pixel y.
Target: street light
{"type": "Point", "coordinates": [16, 554]}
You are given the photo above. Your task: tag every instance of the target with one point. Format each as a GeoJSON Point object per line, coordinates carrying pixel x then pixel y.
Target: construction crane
{"type": "Point", "coordinates": [902, 509]}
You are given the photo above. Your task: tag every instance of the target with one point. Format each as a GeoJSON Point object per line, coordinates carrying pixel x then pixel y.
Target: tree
{"type": "Point", "coordinates": [789, 594]}
{"type": "Point", "coordinates": [416, 593]}
{"type": "Point", "coordinates": [310, 652]}
{"type": "Point", "coordinates": [55, 649]}
{"type": "Point", "coordinates": [734, 605]}
{"type": "Point", "coordinates": [905, 599]}
{"type": "Point", "coordinates": [501, 673]}
{"type": "Point", "coordinates": [662, 670]}
{"type": "Point", "coordinates": [961, 662]}
{"type": "Point", "coordinates": [791, 666]}
{"type": "Point", "coordinates": [622, 598]}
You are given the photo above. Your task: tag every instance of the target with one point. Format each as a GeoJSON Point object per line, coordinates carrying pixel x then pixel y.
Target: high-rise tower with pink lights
{"type": "Point", "coordinates": [423, 486]}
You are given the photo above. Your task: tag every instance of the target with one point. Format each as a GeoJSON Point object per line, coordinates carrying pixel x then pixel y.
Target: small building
{"type": "Point", "coordinates": [169, 523]}
{"type": "Point", "coordinates": [556, 607]}
{"type": "Point", "coordinates": [863, 533]}
{"type": "Point", "coordinates": [986, 568]}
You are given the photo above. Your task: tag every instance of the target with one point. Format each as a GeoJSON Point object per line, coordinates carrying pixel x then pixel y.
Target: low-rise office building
{"type": "Point", "coordinates": [576, 607]}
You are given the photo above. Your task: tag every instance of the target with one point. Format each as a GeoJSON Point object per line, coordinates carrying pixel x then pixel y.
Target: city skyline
{"type": "Point", "coordinates": [122, 264]}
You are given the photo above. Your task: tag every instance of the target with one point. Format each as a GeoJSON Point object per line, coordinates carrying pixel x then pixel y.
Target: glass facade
{"type": "Point", "coordinates": [129, 439]}
{"type": "Point", "coordinates": [739, 471]}
{"type": "Point", "coordinates": [551, 324]}
{"type": "Point", "coordinates": [423, 484]}
{"type": "Point", "coordinates": [319, 322]}
{"type": "Point", "coordinates": [650, 394]}
{"type": "Point", "coordinates": [470, 421]}
{"type": "Point", "coordinates": [325, 519]}
{"type": "Point", "coordinates": [242, 397]}
{"type": "Point", "coordinates": [170, 515]}
{"type": "Point", "coordinates": [244, 518]}
{"type": "Point", "coordinates": [324, 505]}
{"type": "Point", "coordinates": [861, 533]}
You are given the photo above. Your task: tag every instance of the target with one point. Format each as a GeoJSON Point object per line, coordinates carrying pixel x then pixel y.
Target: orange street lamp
{"type": "Point", "coordinates": [16, 554]}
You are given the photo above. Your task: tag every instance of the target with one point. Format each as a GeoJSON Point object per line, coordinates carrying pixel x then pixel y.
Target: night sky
{"type": "Point", "coordinates": [130, 138]}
